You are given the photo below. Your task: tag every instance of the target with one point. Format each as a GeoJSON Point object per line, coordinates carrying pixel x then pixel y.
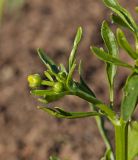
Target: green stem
{"type": "Point", "coordinates": [104, 108]}
{"type": "Point", "coordinates": [111, 96]}
{"type": "Point", "coordinates": [100, 124]}
{"type": "Point", "coordinates": [121, 136]}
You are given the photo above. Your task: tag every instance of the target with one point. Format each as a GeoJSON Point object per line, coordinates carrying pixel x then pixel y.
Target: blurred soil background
{"type": "Point", "coordinates": [27, 133]}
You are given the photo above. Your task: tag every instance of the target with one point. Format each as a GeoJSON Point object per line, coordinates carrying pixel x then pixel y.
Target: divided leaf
{"type": "Point", "coordinates": [109, 58]}
{"type": "Point", "coordinates": [125, 44]}
{"type": "Point", "coordinates": [60, 113]}
{"type": "Point", "coordinates": [112, 47]}
{"type": "Point", "coordinates": [132, 140]}
{"type": "Point", "coordinates": [122, 13]}
{"type": "Point", "coordinates": [47, 61]}
{"type": "Point", "coordinates": [130, 97]}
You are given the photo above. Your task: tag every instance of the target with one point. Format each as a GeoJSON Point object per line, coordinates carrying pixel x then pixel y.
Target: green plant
{"type": "Point", "coordinates": [60, 82]}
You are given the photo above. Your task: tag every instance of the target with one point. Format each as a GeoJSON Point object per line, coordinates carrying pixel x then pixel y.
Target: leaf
{"type": "Point", "coordinates": [48, 76]}
{"type": "Point", "coordinates": [125, 44]}
{"type": "Point", "coordinates": [47, 83]}
{"type": "Point", "coordinates": [109, 39]}
{"type": "Point", "coordinates": [122, 13]}
{"type": "Point", "coordinates": [53, 74]}
{"type": "Point", "coordinates": [60, 113]}
{"type": "Point", "coordinates": [82, 85]}
{"type": "Point", "coordinates": [69, 77]}
{"type": "Point", "coordinates": [111, 44]}
{"type": "Point", "coordinates": [132, 140]}
{"type": "Point", "coordinates": [75, 47]}
{"type": "Point", "coordinates": [63, 69]}
{"type": "Point", "coordinates": [116, 19]}
{"type": "Point", "coordinates": [42, 92]}
{"type": "Point", "coordinates": [109, 58]}
{"type": "Point", "coordinates": [130, 97]}
{"type": "Point", "coordinates": [94, 101]}
{"type": "Point", "coordinates": [47, 60]}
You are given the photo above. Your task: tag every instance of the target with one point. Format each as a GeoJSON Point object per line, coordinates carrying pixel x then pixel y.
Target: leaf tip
{"type": "Point", "coordinates": [118, 30]}
{"type": "Point", "coordinates": [91, 48]}
{"type": "Point", "coordinates": [31, 92]}
{"type": "Point", "coordinates": [104, 23]}
{"type": "Point", "coordinates": [80, 29]}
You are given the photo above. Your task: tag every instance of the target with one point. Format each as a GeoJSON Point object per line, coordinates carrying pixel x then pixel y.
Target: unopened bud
{"type": "Point", "coordinates": [58, 87]}
{"type": "Point", "coordinates": [34, 80]}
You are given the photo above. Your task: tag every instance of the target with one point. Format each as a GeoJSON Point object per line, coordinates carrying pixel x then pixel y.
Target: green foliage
{"type": "Point", "coordinates": [104, 56]}
{"type": "Point", "coordinates": [130, 97]}
{"type": "Point", "coordinates": [117, 20]}
{"type": "Point", "coordinates": [123, 14]}
{"type": "Point", "coordinates": [59, 82]}
{"type": "Point", "coordinates": [112, 49]}
{"type": "Point", "coordinates": [108, 155]}
{"type": "Point", "coordinates": [47, 61]}
{"type": "Point", "coordinates": [75, 47]}
{"type": "Point", "coordinates": [122, 40]}
{"type": "Point", "coordinates": [60, 113]}
{"type": "Point", "coordinates": [132, 140]}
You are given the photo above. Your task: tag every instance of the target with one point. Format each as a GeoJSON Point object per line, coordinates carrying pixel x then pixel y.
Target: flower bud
{"type": "Point", "coordinates": [34, 80]}
{"type": "Point", "coordinates": [58, 87]}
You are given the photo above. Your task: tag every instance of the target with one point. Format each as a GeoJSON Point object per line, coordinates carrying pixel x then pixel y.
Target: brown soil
{"type": "Point", "coordinates": [25, 132]}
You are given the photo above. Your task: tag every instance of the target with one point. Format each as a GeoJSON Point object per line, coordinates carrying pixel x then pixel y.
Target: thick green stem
{"type": "Point", "coordinates": [100, 124]}
{"type": "Point", "coordinates": [121, 136]}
